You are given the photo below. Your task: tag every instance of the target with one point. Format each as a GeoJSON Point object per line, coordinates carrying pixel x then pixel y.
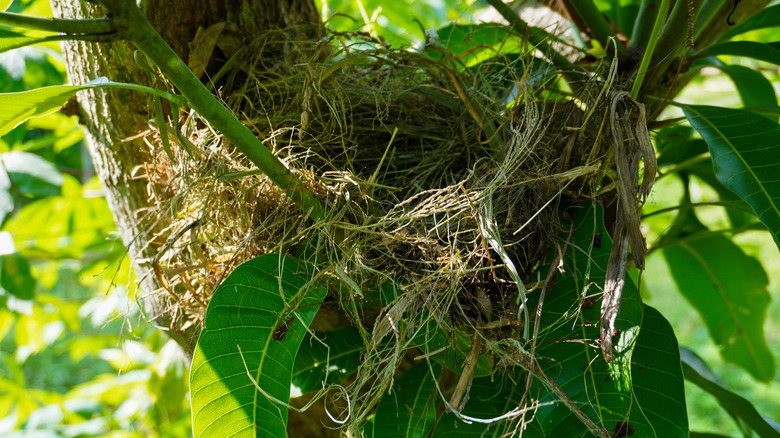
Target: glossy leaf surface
{"type": "Point", "coordinates": [743, 147]}
{"type": "Point", "coordinates": [242, 366]}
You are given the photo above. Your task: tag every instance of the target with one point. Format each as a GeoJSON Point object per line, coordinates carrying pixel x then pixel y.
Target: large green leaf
{"type": "Point", "coordinates": [697, 372]}
{"type": "Point", "coordinates": [603, 391]}
{"type": "Point", "coordinates": [657, 346]}
{"type": "Point", "coordinates": [618, 396]}
{"type": "Point", "coordinates": [754, 89]}
{"type": "Point", "coordinates": [750, 49]}
{"type": "Point", "coordinates": [410, 409]}
{"type": "Point", "coordinates": [728, 289]}
{"type": "Point", "coordinates": [330, 358]}
{"type": "Point", "coordinates": [744, 148]}
{"type": "Point", "coordinates": [243, 363]}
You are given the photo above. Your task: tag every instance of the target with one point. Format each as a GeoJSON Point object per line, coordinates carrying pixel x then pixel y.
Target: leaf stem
{"type": "Point", "coordinates": [643, 25]}
{"type": "Point", "coordinates": [648, 53]}
{"type": "Point", "coordinates": [93, 26]}
{"type": "Point", "coordinates": [132, 24]}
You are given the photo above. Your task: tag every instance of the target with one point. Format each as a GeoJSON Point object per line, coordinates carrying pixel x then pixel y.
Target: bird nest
{"type": "Point", "coordinates": [446, 183]}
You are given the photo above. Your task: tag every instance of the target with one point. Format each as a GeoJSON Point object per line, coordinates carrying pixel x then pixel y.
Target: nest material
{"type": "Point", "coordinates": [446, 184]}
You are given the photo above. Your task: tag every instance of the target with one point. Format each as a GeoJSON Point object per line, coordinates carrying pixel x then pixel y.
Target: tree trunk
{"type": "Point", "coordinates": [116, 121]}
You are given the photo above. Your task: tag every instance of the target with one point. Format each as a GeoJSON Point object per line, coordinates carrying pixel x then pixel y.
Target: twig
{"type": "Point", "coordinates": [93, 26]}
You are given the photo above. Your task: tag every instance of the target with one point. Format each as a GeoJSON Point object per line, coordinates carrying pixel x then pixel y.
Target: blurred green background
{"type": "Point", "coordinates": [77, 356]}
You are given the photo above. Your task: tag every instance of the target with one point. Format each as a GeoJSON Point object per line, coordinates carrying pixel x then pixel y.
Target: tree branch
{"type": "Point", "coordinates": [93, 26]}
{"type": "Point", "coordinates": [131, 24]}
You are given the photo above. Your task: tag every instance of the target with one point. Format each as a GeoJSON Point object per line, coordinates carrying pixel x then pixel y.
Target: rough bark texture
{"type": "Point", "coordinates": [114, 119]}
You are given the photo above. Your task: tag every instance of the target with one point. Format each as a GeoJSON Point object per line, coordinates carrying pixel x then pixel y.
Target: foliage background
{"type": "Point", "coordinates": [78, 359]}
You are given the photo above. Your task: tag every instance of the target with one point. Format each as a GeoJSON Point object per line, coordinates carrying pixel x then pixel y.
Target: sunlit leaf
{"type": "Point", "coordinates": [24, 105]}
{"type": "Point", "coordinates": [10, 40]}
{"type": "Point", "coordinates": [728, 289]}
{"type": "Point", "coordinates": [318, 364]}
{"type": "Point", "coordinates": [243, 363]}
{"type": "Point", "coordinates": [409, 410]}
{"type": "Point", "coordinates": [21, 106]}
{"type": "Point", "coordinates": [697, 372]}
{"type": "Point", "coordinates": [744, 153]}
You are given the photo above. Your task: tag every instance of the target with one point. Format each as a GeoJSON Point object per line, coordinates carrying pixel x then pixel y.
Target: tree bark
{"type": "Point", "coordinates": [115, 119]}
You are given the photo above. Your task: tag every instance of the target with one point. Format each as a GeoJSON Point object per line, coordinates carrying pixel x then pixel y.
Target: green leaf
{"type": "Point", "coordinates": [330, 358]}
{"type": "Point", "coordinates": [739, 212]}
{"type": "Point", "coordinates": [657, 346]}
{"type": "Point", "coordinates": [471, 43]}
{"type": "Point", "coordinates": [243, 362]}
{"type": "Point", "coordinates": [450, 348]}
{"type": "Point", "coordinates": [744, 152]}
{"type": "Point", "coordinates": [410, 409]}
{"type": "Point", "coordinates": [15, 276]}
{"type": "Point", "coordinates": [728, 289]}
{"type": "Point", "coordinates": [21, 106]}
{"type": "Point", "coordinates": [754, 89]}
{"type": "Point", "coordinates": [698, 373]}
{"type": "Point", "coordinates": [769, 17]}
{"type": "Point", "coordinates": [749, 49]}
{"type": "Point", "coordinates": [30, 174]}
{"type": "Point", "coordinates": [488, 398]}
{"type": "Point", "coordinates": [567, 352]}
{"type": "Point", "coordinates": [24, 105]}
{"type": "Point", "coordinates": [10, 40]}
{"type": "Point", "coordinates": [616, 396]}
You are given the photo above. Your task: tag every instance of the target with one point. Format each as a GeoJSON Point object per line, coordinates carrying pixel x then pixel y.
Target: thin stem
{"type": "Point", "coordinates": [733, 205]}
{"type": "Point", "coordinates": [597, 25]}
{"type": "Point", "coordinates": [648, 55]}
{"type": "Point", "coordinates": [674, 39]}
{"type": "Point", "coordinates": [132, 25]}
{"type": "Point", "coordinates": [93, 26]}
{"type": "Point", "coordinates": [178, 100]}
